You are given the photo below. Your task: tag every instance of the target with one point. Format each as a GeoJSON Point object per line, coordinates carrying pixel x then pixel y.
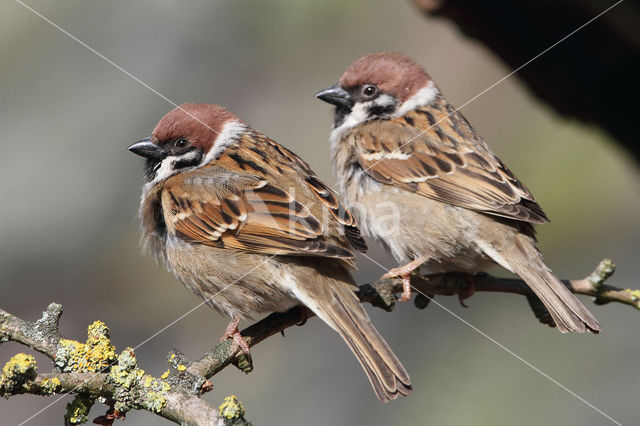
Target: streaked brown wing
{"type": "Point", "coordinates": [445, 160]}
{"type": "Point", "coordinates": [342, 215]}
{"type": "Point", "coordinates": [258, 154]}
{"type": "Point", "coordinates": [220, 208]}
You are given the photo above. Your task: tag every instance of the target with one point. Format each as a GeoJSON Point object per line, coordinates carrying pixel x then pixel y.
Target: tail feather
{"type": "Point", "coordinates": [385, 372]}
{"type": "Point", "coordinates": [565, 309]}
{"type": "Point", "coordinates": [336, 303]}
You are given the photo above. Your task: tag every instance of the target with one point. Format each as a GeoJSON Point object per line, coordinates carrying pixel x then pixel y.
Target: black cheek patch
{"type": "Point", "coordinates": [150, 167]}
{"type": "Point", "coordinates": [340, 114]}
{"type": "Point", "coordinates": [380, 110]}
{"type": "Point", "coordinates": [192, 161]}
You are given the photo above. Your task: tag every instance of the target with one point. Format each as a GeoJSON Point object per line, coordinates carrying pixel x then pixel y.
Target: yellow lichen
{"type": "Point", "coordinates": [231, 408]}
{"type": "Point", "coordinates": [125, 375]}
{"type": "Point", "coordinates": [635, 294]}
{"type": "Point", "coordinates": [635, 297]}
{"type": "Point", "coordinates": [17, 373]}
{"type": "Point", "coordinates": [155, 400]}
{"type": "Point", "coordinates": [97, 354]}
{"type": "Point", "coordinates": [51, 386]}
{"type": "Point", "coordinates": [165, 374]}
{"type": "Point", "coordinates": [147, 381]}
{"type": "Point", "coordinates": [182, 367]}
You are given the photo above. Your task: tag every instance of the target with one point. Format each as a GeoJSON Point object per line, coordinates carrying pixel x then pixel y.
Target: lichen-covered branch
{"type": "Point", "coordinates": [43, 335]}
{"type": "Point", "coordinates": [93, 371]}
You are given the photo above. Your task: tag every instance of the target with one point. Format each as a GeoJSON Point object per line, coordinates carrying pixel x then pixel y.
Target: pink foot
{"type": "Point", "coordinates": [404, 272]}
{"type": "Point", "coordinates": [233, 333]}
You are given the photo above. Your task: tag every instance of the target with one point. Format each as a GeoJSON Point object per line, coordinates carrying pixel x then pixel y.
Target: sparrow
{"type": "Point", "coordinates": [425, 185]}
{"type": "Point", "coordinates": [246, 225]}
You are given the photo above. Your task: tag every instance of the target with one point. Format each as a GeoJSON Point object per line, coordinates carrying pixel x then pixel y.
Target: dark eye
{"type": "Point", "coordinates": [369, 90]}
{"type": "Point", "coordinates": [181, 143]}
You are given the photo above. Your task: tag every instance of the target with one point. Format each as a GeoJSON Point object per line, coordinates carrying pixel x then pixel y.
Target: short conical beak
{"type": "Point", "coordinates": [147, 149]}
{"type": "Point", "coordinates": [336, 95]}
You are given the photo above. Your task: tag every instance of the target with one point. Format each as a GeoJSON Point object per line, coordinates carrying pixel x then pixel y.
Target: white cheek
{"type": "Point", "coordinates": [384, 101]}
{"type": "Point", "coordinates": [358, 115]}
{"type": "Point", "coordinates": [167, 166]}
{"type": "Point", "coordinates": [228, 136]}
{"type": "Point", "coordinates": [166, 169]}
{"type": "Point", "coordinates": [424, 96]}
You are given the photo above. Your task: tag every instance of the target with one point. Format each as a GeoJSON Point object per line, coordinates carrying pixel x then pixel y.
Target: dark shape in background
{"type": "Point", "coordinates": [593, 77]}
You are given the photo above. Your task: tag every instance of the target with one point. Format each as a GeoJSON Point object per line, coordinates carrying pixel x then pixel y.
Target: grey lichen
{"type": "Point", "coordinates": [178, 375]}
{"type": "Point", "coordinates": [4, 330]}
{"type": "Point", "coordinates": [380, 295]}
{"type": "Point", "coordinates": [78, 410]}
{"type": "Point", "coordinates": [243, 362]}
{"type": "Point", "coordinates": [603, 272]}
{"type": "Point", "coordinates": [124, 375]}
{"type": "Point", "coordinates": [18, 373]}
{"type": "Point", "coordinates": [177, 360]}
{"type": "Point", "coordinates": [134, 389]}
{"type": "Point", "coordinates": [47, 325]}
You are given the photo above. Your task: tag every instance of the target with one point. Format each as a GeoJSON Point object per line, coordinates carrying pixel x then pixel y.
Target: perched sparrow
{"type": "Point", "coordinates": [424, 184]}
{"type": "Point", "coordinates": [245, 224]}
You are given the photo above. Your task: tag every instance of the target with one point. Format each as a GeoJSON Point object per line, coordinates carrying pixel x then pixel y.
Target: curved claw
{"type": "Point", "coordinates": [232, 332]}
{"type": "Point", "coordinates": [467, 292]}
{"type": "Point", "coordinates": [406, 288]}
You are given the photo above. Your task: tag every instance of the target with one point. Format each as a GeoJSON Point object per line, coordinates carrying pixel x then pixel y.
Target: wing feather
{"type": "Point", "coordinates": [244, 212]}
{"type": "Point", "coordinates": [441, 157]}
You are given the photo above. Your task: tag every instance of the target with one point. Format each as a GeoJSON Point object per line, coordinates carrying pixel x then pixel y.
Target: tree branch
{"type": "Point", "coordinates": [92, 370]}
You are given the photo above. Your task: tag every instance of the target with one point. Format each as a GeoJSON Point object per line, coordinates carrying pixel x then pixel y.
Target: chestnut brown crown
{"type": "Point", "coordinates": [395, 74]}
{"type": "Point", "coordinates": [182, 139]}
{"type": "Point", "coordinates": [200, 124]}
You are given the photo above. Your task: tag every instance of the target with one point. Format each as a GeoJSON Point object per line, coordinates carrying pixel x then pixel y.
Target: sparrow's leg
{"type": "Point", "coordinates": [468, 291]}
{"type": "Point", "coordinates": [404, 272]}
{"type": "Point", "coordinates": [233, 333]}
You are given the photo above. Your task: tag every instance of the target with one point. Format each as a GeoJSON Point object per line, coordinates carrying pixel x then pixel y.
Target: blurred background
{"type": "Point", "coordinates": [70, 189]}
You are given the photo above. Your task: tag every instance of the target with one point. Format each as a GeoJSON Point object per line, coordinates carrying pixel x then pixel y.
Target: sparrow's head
{"type": "Point", "coordinates": [190, 135]}
{"type": "Point", "coordinates": [379, 85]}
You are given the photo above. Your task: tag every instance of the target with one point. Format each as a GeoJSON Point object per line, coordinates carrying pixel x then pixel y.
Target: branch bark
{"type": "Point", "coordinates": [92, 371]}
